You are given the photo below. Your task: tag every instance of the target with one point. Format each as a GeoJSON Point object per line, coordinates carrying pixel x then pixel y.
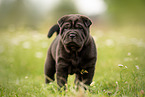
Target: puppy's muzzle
{"type": "Point", "coordinates": [72, 35]}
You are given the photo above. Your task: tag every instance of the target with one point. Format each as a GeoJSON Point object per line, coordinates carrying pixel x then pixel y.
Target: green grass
{"type": "Point", "coordinates": [22, 57]}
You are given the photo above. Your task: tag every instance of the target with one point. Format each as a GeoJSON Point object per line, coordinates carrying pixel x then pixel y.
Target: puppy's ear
{"type": "Point", "coordinates": [62, 20]}
{"type": "Point", "coordinates": [86, 21]}
{"type": "Point", "coordinates": [54, 28]}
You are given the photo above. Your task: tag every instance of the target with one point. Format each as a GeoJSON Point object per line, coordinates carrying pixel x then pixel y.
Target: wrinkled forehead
{"type": "Point", "coordinates": [73, 19]}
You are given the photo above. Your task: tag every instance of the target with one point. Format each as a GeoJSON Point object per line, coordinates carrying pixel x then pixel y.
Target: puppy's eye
{"type": "Point", "coordinates": [79, 26]}
{"type": "Point", "coordinates": [66, 26]}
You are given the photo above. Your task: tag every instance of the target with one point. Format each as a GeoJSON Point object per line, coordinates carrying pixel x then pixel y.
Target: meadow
{"type": "Point", "coordinates": [119, 70]}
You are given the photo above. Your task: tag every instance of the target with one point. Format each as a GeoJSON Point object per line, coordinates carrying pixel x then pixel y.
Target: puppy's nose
{"type": "Point", "coordinates": [72, 35]}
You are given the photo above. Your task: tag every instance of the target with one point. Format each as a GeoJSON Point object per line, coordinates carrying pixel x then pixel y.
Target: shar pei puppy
{"type": "Point", "coordinates": [73, 51]}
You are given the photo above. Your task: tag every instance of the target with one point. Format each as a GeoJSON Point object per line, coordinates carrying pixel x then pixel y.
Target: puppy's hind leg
{"type": "Point", "coordinates": [49, 69]}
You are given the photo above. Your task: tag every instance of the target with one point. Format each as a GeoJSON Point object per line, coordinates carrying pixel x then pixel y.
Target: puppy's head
{"type": "Point", "coordinates": [74, 30]}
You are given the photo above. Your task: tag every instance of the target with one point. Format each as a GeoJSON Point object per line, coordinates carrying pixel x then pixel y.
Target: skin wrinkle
{"type": "Point", "coordinates": [73, 25]}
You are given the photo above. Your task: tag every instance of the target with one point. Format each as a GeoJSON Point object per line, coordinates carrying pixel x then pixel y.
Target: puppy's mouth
{"type": "Point", "coordinates": [72, 46]}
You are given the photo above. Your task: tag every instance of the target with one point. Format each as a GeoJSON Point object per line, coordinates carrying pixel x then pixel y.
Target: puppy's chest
{"type": "Point", "coordinates": [75, 64]}
{"type": "Point", "coordinates": [75, 60]}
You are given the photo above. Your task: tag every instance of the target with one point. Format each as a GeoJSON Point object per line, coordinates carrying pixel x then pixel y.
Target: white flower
{"type": "Point", "coordinates": [38, 54]}
{"type": "Point", "coordinates": [137, 67]}
{"type": "Point", "coordinates": [129, 54]}
{"type": "Point", "coordinates": [120, 65]}
{"type": "Point", "coordinates": [26, 45]}
{"type": "Point", "coordinates": [116, 82]}
{"type": "Point", "coordinates": [50, 83]}
{"type": "Point", "coordinates": [109, 42]}
{"type": "Point", "coordinates": [125, 66]}
{"type": "Point", "coordinates": [92, 84]}
{"type": "Point", "coordinates": [26, 77]}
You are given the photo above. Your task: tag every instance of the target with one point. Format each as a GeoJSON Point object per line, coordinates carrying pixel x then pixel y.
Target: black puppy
{"type": "Point", "coordinates": [72, 52]}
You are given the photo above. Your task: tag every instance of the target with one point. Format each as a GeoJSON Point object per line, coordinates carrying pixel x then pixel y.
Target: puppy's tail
{"type": "Point", "coordinates": [53, 29]}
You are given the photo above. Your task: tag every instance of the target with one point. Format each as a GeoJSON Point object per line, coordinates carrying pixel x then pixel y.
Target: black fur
{"type": "Point", "coordinates": [53, 29]}
{"type": "Point", "coordinates": [72, 52]}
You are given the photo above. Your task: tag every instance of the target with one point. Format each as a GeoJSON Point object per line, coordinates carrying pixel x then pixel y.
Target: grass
{"type": "Point", "coordinates": [119, 71]}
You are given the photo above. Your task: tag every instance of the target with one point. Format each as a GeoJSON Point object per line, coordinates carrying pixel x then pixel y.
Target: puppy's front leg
{"type": "Point", "coordinates": [61, 74]}
{"type": "Point", "coordinates": [88, 77]}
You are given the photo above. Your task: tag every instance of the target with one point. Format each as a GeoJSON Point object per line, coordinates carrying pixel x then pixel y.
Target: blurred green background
{"type": "Point", "coordinates": [35, 14]}
{"type": "Point", "coordinates": [119, 32]}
